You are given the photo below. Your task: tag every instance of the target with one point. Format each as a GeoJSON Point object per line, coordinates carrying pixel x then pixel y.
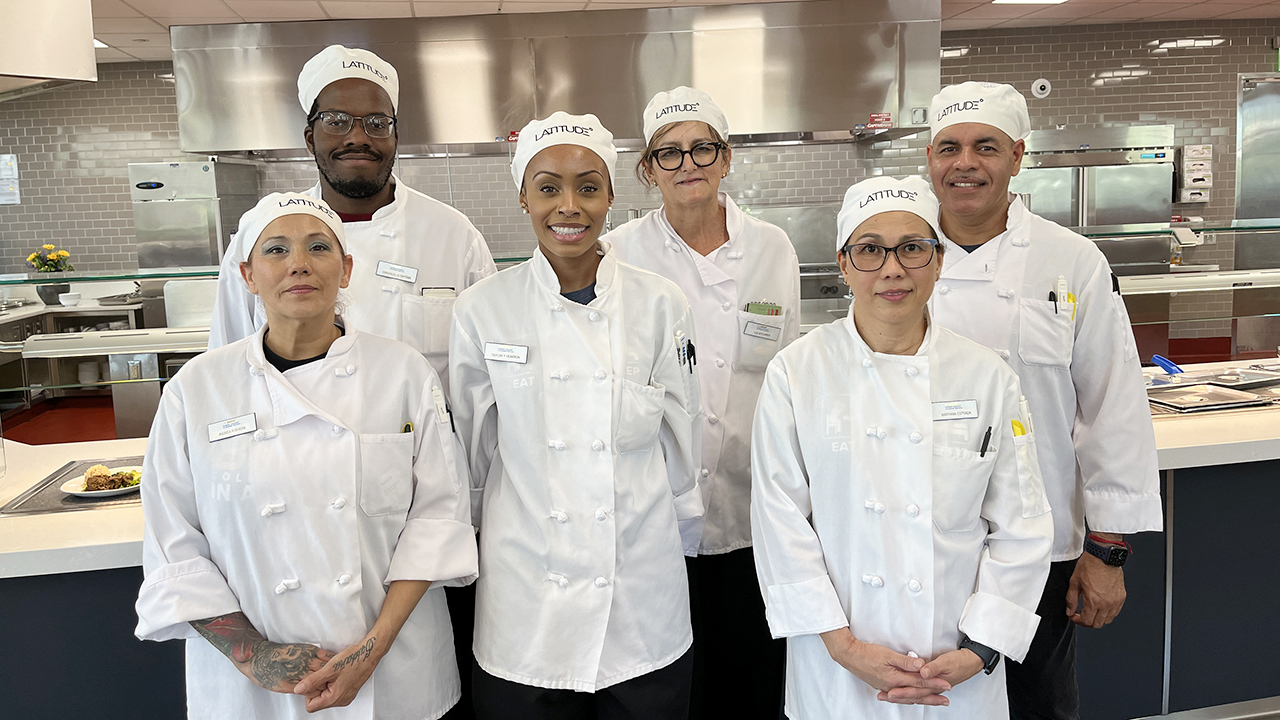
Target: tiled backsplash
{"type": "Point", "coordinates": [73, 144]}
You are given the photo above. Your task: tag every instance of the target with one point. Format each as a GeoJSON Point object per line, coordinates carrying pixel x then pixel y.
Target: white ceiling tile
{"type": "Point", "coordinates": [357, 10]}
{"type": "Point", "coordinates": [520, 6]}
{"type": "Point", "coordinates": [121, 26]}
{"type": "Point", "coordinates": [133, 41]}
{"type": "Point", "coordinates": [182, 8]}
{"type": "Point", "coordinates": [112, 9]}
{"type": "Point", "coordinates": [951, 9]}
{"type": "Point", "coordinates": [996, 12]}
{"type": "Point", "coordinates": [154, 53]}
{"type": "Point", "coordinates": [169, 21]}
{"type": "Point", "coordinates": [958, 24]}
{"type": "Point", "coordinates": [1070, 11]}
{"type": "Point", "coordinates": [1203, 11]}
{"type": "Point", "coordinates": [1260, 11]}
{"type": "Point", "coordinates": [437, 9]}
{"type": "Point", "coordinates": [278, 9]}
{"type": "Point", "coordinates": [1137, 11]}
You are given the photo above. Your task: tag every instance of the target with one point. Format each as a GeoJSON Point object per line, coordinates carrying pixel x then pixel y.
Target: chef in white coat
{"type": "Point", "coordinates": [900, 525]}
{"type": "Point", "coordinates": [574, 394]}
{"type": "Point", "coordinates": [305, 498]}
{"type": "Point", "coordinates": [742, 279]}
{"type": "Point", "coordinates": [1045, 300]}
{"type": "Point", "coordinates": [412, 253]}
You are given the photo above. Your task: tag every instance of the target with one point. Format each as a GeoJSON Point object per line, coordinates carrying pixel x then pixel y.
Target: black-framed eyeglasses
{"type": "Point", "coordinates": [336, 122]}
{"type": "Point", "coordinates": [912, 254]}
{"type": "Point", "coordinates": [702, 154]}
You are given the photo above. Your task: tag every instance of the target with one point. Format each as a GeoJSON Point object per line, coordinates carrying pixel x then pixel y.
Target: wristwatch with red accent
{"type": "Point", "coordinates": [1112, 552]}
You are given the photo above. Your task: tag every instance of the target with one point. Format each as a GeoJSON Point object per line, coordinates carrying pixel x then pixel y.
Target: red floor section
{"type": "Point", "coordinates": [63, 420]}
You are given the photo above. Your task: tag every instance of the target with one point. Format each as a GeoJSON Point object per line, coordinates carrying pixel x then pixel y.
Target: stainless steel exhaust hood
{"type": "Point", "coordinates": [49, 44]}
{"type": "Point", "coordinates": [782, 71]}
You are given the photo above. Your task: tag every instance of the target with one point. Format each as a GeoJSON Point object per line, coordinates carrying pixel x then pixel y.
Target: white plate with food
{"type": "Point", "coordinates": [101, 481]}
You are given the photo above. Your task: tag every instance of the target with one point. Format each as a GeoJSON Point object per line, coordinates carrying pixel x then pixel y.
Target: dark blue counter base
{"type": "Point", "coordinates": [70, 653]}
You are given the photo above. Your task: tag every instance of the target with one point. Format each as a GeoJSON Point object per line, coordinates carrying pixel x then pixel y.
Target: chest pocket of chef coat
{"type": "Point", "coordinates": [425, 323]}
{"type": "Point", "coordinates": [639, 416]}
{"type": "Point", "coordinates": [754, 350]}
{"type": "Point", "coordinates": [959, 484]}
{"type": "Point", "coordinates": [386, 473]}
{"type": "Point", "coordinates": [1045, 337]}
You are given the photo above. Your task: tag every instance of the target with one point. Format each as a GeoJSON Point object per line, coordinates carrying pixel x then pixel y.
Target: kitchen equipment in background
{"type": "Point", "coordinates": [812, 229]}
{"type": "Point", "coordinates": [49, 44]}
{"type": "Point", "coordinates": [185, 212]}
{"type": "Point", "coordinates": [87, 372]}
{"type": "Point", "coordinates": [1199, 398]}
{"type": "Point", "coordinates": [69, 299]}
{"type": "Point", "coordinates": [1258, 149]}
{"type": "Point", "coordinates": [189, 303]}
{"type": "Point", "coordinates": [1100, 176]}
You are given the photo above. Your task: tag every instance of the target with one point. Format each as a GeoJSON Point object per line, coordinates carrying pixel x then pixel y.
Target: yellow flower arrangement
{"type": "Point", "coordinates": [52, 260]}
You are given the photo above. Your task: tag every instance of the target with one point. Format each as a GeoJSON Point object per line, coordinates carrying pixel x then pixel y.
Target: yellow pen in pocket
{"type": "Point", "coordinates": [1071, 298]}
{"type": "Point", "coordinates": [1018, 429]}
{"type": "Point", "coordinates": [408, 428]}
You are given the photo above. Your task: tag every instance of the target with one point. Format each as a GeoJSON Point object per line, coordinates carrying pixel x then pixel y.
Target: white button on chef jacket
{"type": "Point", "coordinates": [757, 263]}
{"type": "Point", "coordinates": [1081, 365]}
{"type": "Point", "coordinates": [306, 573]}
{"type": "Point", "coordinates": [820, 571]}
{"type": "Point", "coordinates": [414, 231]}
{"type": "Point", "coordinates": [524, 622]}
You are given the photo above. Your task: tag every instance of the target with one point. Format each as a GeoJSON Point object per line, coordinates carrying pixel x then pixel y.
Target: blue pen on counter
{"type": "Point", "coordinates": [1166, 364]}
{"type": "Point", "coordinates": [986, 442]}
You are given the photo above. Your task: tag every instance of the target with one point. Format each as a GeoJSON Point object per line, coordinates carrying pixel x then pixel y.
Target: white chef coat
{"type": "Point", "coordinates": [303, 521]}
{"type": "Point", "coordinates": [758, 263]}
{"type": "Point", "coordinates": [420, 243]}
{"type": "Point", "coordinates": [868, 512]}
{"type": "Point", "coordinates": [582, 451]}
{"type": "Point", "coordinates": [1082, 375]}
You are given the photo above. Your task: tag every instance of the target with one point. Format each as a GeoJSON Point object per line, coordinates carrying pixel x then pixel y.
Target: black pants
{"type": "Point", "coordinates": [659, 695]}
{"type": "Point", "coordinates": [1043, 686]}
{"type": "Point", "coordinates": [462, 614]}
{"type": "Point", "coordinates": [739, 669]}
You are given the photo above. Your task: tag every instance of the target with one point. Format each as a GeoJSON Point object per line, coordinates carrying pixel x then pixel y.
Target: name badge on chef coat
{"type": "Point", "coordinates": [506, 353]}
{"type": "Point", "coordinates": [762, 331]}
{"type": "Point", "coordinates": [955, 409]}
{"type": "Point", "coordinates": [397, 272]}
{"type": "Point", "coordinates": [224, 429]}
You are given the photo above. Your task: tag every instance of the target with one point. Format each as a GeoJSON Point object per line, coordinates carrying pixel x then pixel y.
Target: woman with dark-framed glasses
{"type": "Point", "coordinates": [742, 280]}
{"type": "Point", "coordinates": [901, 531]}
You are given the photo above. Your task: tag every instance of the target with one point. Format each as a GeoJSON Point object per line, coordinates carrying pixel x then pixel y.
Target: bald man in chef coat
{"type": "Point", "coordinates": [412, 254]}
{"type": "Point", "coordinates": [1045, 300]}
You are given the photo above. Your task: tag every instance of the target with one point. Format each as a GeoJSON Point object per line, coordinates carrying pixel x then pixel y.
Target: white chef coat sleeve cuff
{"type": "Point", "coordinates": [997, 623]}
{"type": "Point", "coordinates": [804, 608]}
{"type": "Point", "coordinates": [1123, 513]}
{"type": "Point", "coordinates": [477, 502]}
{"type": "Point", "coordinates": [177, 593]}
{"type": "Point", "coordinates": [442, 551]}
{"type": "Point", "coordinates": [691, 535]}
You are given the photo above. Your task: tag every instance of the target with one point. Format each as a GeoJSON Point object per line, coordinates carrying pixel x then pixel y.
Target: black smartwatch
{"type": "Point", "coordinates": [1113, 555]}
{"type": "Point", "coordinates": [990, 658]}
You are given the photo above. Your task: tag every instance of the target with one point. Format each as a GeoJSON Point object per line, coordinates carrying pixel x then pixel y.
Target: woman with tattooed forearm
{"type": "Point", "coordinates": [304, 497]}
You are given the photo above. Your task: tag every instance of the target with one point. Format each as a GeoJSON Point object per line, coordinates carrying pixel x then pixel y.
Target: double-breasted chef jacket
{"type": "Point", "coordinates": [580, 428]}
{"type": "Point", "coordinates": [1078, 364]}
{"type": "Point", "coordinates": [300, 516]}
{"type": "Point", "coordinates": [410, 260]}
{"type": "Point", "coordinates": [758, 263]}
{"type": "Point", "coordinates": [874, 507]}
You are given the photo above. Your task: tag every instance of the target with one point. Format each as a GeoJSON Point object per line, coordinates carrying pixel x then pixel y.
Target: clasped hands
{"type": "Point", "coordinates": [324, 678]}
{"type": "Point", "coordinates": [901, 679]}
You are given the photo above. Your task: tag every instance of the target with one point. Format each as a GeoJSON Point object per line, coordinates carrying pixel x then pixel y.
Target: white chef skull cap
{"type": "Point", "coordinates": [682, 105]}
{"type": "Point", "coordinates": [338, 63]}
{"type": "Point", "coordinates": [994, 104]}
{"type": "Point", "coordinates": [561, 128]}
{"type": "Point", "coordinates": [885, 194]}
{"type": "Point", "coordinates": [277, 205]}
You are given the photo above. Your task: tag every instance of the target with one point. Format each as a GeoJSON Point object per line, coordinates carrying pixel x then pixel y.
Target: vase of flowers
{"type": "Point", "coordinates": [49, 259]}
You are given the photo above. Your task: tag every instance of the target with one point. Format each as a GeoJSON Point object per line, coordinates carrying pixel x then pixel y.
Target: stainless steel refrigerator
{"type": "Point", "coordinates": [1102, 176]}
{"type": "Point", "coordinates": [184, 213]}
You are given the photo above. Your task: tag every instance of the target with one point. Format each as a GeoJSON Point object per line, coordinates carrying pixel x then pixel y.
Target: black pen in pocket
{"type": "Point", "coordinates": [986, 441]}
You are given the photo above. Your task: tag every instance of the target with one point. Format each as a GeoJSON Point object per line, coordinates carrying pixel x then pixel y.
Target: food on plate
{"type": "Point", "coordinates": [99, 477]}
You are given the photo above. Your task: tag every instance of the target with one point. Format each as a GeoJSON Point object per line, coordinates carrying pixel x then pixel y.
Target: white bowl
{"type": "Point", "coordinates": [69, 299]}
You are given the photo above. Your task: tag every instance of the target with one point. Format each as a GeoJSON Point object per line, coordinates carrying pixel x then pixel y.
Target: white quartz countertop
{"type": "Point", "coordinates": [30, 311]}
{"type": "Point", "coordinates": [112, 537]}
{"type": "Point", "coordinates": [70, 541]}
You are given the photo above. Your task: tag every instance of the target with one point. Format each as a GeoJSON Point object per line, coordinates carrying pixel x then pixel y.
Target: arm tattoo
{"type": "Point", "coordinates": [360, 654]}
{"type": "Point", "coordinates": [233, 635]}
{"type": "Point", "coordinates": [272, 665]}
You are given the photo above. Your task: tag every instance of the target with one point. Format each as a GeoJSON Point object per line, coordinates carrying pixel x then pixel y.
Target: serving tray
{"type": "Point", "coordinates": [47, 497]}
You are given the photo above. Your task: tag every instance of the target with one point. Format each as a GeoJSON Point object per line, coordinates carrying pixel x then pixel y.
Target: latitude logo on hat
{"type": "Point", "coordinates": [959, 107]}
{"type": "Point", "coordinates": [575, 129]}
{"type": "Point", "coordinates": [308, 203]}
{"type": "Point", "coordinates": [366, 67]}
{"type": "Point", "coordinates": [687, 107]}
{"type": "Point", "coordinates": [907, 195]}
